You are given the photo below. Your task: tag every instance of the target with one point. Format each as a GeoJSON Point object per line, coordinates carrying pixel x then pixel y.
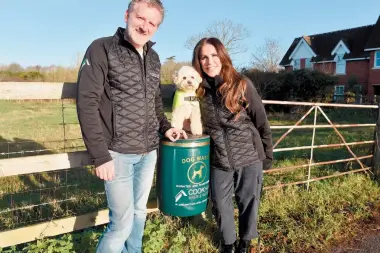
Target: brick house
{"type": "Point", "coordinates": [349, 54]}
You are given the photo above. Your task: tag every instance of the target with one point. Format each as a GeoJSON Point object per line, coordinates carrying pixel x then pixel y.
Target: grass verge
{"type": "Point", "coordinates": [291, 220]}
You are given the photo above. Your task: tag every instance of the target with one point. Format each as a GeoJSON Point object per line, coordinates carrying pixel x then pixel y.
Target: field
{"type": "Point", "coordinates": [291, 219]}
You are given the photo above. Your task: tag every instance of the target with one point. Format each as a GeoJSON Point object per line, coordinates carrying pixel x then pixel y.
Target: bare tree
{"type": "Point", "coordinates": [2, 72]}
{"type": "Point", "coordinates": [268, 56]}
{"type": "Point", "coordinates": [230, 34]}
{"type": "Point", "coordinates": [15, 67]}
{"type": "Point", "coordinates": [172, 58]}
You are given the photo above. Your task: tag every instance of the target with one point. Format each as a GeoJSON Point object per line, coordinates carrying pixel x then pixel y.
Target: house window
{"type": "Point", "coordinates": [358, 92]}
{"type": "Point", "coordinates": [308, 64]}
{"type": "Point", "coordinates": [377, 59]}
{"type": "Point", "coordinates": [340, 64]}
{"type": "Point", "coordinates": [357, 89]}
{"type": "Point", "coordinates": [339, 93]}
{"type": "Point", "coordinates": [296, 64]}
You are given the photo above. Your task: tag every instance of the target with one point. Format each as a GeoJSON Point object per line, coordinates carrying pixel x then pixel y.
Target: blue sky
{"type": "Point", "coordinates": [47, 32]}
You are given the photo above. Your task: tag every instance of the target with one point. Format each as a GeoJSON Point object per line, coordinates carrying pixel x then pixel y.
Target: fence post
{"type": "Point", "coordinates": [312, 148]}
{"type": "Point", "coordinates": [376, 147]}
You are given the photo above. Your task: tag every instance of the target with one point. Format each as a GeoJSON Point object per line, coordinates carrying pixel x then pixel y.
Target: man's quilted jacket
{"type": "Point", "coordinates": [118, 99]}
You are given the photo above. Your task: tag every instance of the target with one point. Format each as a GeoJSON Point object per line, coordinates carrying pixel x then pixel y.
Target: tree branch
{"type": "Point", "coordinates": [228, 33]}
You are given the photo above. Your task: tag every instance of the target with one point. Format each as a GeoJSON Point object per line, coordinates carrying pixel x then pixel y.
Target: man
{"type": "Point", "coordinates": [121, 115]}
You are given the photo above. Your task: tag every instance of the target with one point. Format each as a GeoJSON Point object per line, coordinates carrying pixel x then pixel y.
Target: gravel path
{"type": "Point", "coordinates": [367, 239]}
{"type": "Point", "coordinates": [368, 244]}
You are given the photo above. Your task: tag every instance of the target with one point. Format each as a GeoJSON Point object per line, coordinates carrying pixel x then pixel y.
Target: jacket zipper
{"type": "Point", "coordinates": [114, 120]}
{"type": "Point", "coordinates": [225, 137]}
{"type": "Point", "coordinates": [143, 71]}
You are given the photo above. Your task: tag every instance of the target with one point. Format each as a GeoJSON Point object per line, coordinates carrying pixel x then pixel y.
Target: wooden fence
{"type": "Point", "coordinates": [63, 161]}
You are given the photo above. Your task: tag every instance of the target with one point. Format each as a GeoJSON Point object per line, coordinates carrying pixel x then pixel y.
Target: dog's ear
{"type": "Point", "coordinates": [198, 77]}
{"type": "Point", "coordinates": [175, 77]}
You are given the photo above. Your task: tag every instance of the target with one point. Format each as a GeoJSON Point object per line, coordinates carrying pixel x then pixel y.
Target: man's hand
{"type": "Point", "coordinates": [267, 164]}
{"type": "Point", "coordinates": [106, 171]}
{"type": "Point", "coordinates": [174, 134]}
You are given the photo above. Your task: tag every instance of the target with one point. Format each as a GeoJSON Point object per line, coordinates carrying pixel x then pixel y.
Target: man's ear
{"type": "Point", "coordinates": [175, 77]}
{"type": "Point", "coordinates": [126, 16]}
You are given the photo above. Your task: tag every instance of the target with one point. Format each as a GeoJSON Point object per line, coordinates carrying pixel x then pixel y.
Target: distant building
{"type": "Point", "coordinates": [350, 53]}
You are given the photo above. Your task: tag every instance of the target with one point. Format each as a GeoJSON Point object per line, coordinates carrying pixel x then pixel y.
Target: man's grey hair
{"type": "Point", "coordinates": [151, 3]}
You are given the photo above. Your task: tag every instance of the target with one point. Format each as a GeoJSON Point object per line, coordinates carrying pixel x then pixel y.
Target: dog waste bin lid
{"type": "Point", "coordinates": [192, 141]}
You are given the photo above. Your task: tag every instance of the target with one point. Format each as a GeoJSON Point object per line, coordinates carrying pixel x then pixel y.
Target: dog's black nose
{"type": "Point", "coordinates": [189, 82]}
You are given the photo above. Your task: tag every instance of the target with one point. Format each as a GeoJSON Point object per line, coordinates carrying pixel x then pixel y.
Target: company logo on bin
{"type": "Point", "coordinates": [179, 195]}
{"type": "Point", "coordinates": [197, 173]}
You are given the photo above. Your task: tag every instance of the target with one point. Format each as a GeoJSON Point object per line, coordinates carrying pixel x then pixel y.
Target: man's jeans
{"type": "Point", "coordinates": [127, 197]}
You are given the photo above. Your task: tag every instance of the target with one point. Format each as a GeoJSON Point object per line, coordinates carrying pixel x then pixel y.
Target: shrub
{"type": "Point", "coordinates": [299, 85]}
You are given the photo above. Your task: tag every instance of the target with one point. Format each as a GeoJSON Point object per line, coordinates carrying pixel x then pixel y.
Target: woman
{"type": "Point", "coordinates": [234, 117]}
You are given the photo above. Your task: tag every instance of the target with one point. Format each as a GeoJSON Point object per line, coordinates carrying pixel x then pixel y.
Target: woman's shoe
{"type": "Point", "coordinates": [227, 248]}
{"type": "Point", "coordinates": [243, 246]}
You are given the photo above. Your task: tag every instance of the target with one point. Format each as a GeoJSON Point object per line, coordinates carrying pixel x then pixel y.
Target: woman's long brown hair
{"type": "Point", "coordinates": [234, 86]}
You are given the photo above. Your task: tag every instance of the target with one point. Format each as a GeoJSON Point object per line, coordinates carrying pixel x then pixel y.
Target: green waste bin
{"type": "Point", "coordinates": [183, 176]}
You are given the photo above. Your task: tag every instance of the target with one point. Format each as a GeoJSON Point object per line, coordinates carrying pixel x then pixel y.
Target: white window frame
{"type": "Point", "coordinates": [358, 88]}
{"type": "Point", "coordinates": [296, 64]}
{"type": "Point", "coordinates": [308, 63]}
{"type": "Point", "coordinates": [376, 59]}
{"type": "Point", "coordinates": [340, 65]}
{"type": "Point", "coordinates": [336, 87]}
{"type": "Point", "coordinates": [338, 96]}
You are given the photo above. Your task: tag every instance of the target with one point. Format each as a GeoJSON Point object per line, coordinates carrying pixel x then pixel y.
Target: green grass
{"type": "Point", "coordinates": [292, 219]}
{"type": "Point", "coordinates": [28, 126]}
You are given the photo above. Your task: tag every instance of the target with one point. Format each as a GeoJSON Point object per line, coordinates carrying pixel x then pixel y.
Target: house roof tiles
{"type": "Point", "coordinates": [356, 39]}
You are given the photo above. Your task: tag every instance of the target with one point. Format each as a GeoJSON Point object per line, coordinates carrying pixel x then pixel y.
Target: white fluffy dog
{"type": "Point", "coordinates": [185, 102]}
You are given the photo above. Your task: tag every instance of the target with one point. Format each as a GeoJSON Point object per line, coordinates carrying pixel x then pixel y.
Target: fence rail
{"type": "Point", "coordinates": [43, 163]}
{"type": "Point", "coordinates": [277, 102]}
{"type": "Point", "coordinates": [323, 126]}
{"type": "Point", "coordinates": [71, 160]}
